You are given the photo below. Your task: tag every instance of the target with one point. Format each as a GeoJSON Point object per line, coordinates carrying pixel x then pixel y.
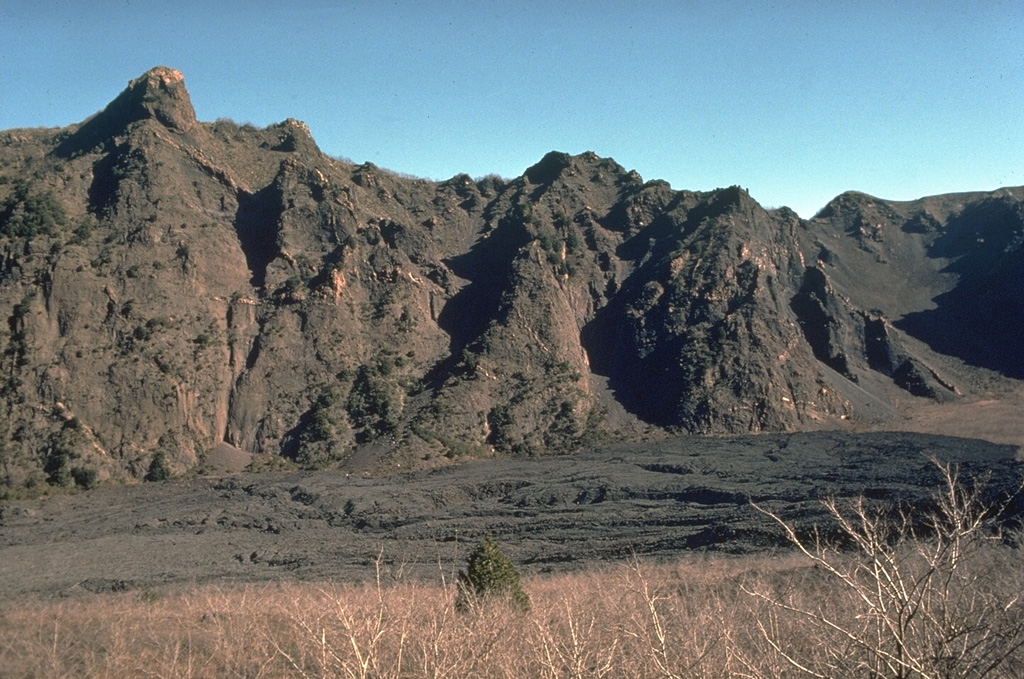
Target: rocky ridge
{"type": "Point", "coordinates": [175, 289]}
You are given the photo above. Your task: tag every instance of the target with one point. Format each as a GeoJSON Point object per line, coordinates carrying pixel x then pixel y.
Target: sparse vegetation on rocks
{"type": "Point", "coordinates": [535, 307]}
{"type": "Point", "coordinates": [28, 213]}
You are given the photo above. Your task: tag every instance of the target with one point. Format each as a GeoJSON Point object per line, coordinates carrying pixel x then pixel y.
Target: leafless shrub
{"type": "Point", "coordinates": [920, 597]}
{"type": "Point", "coordinates": [573, 639]}
{"type": "Point", "coordinates": [344, 636]}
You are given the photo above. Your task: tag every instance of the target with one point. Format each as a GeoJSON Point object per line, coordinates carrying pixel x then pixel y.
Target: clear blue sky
{"type": "Point", "coordinates": [795, 101]}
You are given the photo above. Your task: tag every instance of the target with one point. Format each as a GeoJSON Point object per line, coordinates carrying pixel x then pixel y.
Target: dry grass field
{"type": "Point", "coordinates": [691, 619]}
{"type": "Point", "coordinates": [895, 605]}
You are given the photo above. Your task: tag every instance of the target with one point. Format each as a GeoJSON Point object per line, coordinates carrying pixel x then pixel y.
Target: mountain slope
{"type": "Point", "coordinates": [173, 288]}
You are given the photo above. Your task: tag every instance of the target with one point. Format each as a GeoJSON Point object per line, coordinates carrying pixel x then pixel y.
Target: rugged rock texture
{"type": "Point", "coordinates": [173, 288]}
{"type": "Point", "coordinates": [652, 500]}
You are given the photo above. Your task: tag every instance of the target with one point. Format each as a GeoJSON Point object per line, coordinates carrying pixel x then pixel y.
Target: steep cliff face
{"type": "Point", "coordinates": [170, 286]}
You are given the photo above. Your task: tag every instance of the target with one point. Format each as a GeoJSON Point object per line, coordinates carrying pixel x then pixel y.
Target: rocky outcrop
{"type": "Point", "coordinates": [159, 95]}
{"type": "Point", "coordinates": [170, 286]}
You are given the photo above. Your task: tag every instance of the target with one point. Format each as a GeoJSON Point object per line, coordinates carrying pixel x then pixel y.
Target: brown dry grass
{"type": "Point", "coordinates": [690, 619]}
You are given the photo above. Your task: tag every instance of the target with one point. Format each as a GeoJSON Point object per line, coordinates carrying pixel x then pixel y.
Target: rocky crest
{"type": "Point", "coordinates": [158, 95]}
{"type": "Point", "coordinates": [174, 289]}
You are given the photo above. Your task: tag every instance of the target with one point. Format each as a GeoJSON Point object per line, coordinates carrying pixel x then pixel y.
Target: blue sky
{"type": "Point", "coordinates": [795, 101]}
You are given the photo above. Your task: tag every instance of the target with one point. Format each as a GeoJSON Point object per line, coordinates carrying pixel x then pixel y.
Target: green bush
{"type": "Point", "coordinates": [159, 469]}
{"type": "Point", "coordinates": [291, 287]}
{"type": "Point", "coordinates": [469, 362]}
{"type": "Point", "coordinates": [83, 231]}
{"type": "Point", "coordinates": [324, 424]}
{"type": "Point", "coordinates": [26, 214]}
{"type": "Point", "coordinates": [502, 428]}
{"type": "Point", "coordinates": [58, 466]}
{"type": "Point", "coordinates": [372, 405]}
{"type": "Point", "coordinates": [84, 477]}
{"type": "Point", "coordinates": [490, 575]}
{"type": "Point", "coordinates": [321, 419]}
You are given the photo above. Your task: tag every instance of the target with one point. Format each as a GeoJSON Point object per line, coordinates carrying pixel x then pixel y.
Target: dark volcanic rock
{"type": "Point", "coordinates": [169, 287]}
{"type": "Point", "coordinates": [653, 501]}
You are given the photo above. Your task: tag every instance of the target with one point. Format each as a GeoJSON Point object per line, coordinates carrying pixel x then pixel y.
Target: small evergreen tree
{"type": "Point", "coordinates": [490, 574]}
{"type": "Point", "coordinates": [159, 468]}
{"type": "Point", "coordinates": [58, 466]}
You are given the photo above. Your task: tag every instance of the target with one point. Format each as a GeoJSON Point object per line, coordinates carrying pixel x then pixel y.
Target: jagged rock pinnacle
{"type": "Point", "coordinates": [294, 135]}
{"type": "Point", "coordinates": [160, 93]}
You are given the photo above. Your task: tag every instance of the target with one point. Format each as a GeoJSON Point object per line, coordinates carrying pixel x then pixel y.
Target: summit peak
{"type": "Point", "coordinates": [159, 78]}
{"type": "Point", "coordinates": [160, 93]}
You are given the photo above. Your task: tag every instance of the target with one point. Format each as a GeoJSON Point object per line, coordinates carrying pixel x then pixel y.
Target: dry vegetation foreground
{"type": "Point", "coordinates": [693, 619]}
{"type": "Point", "coordinates": [891, 604]}
{"type": "Point", "coordinates": [621, 622]}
